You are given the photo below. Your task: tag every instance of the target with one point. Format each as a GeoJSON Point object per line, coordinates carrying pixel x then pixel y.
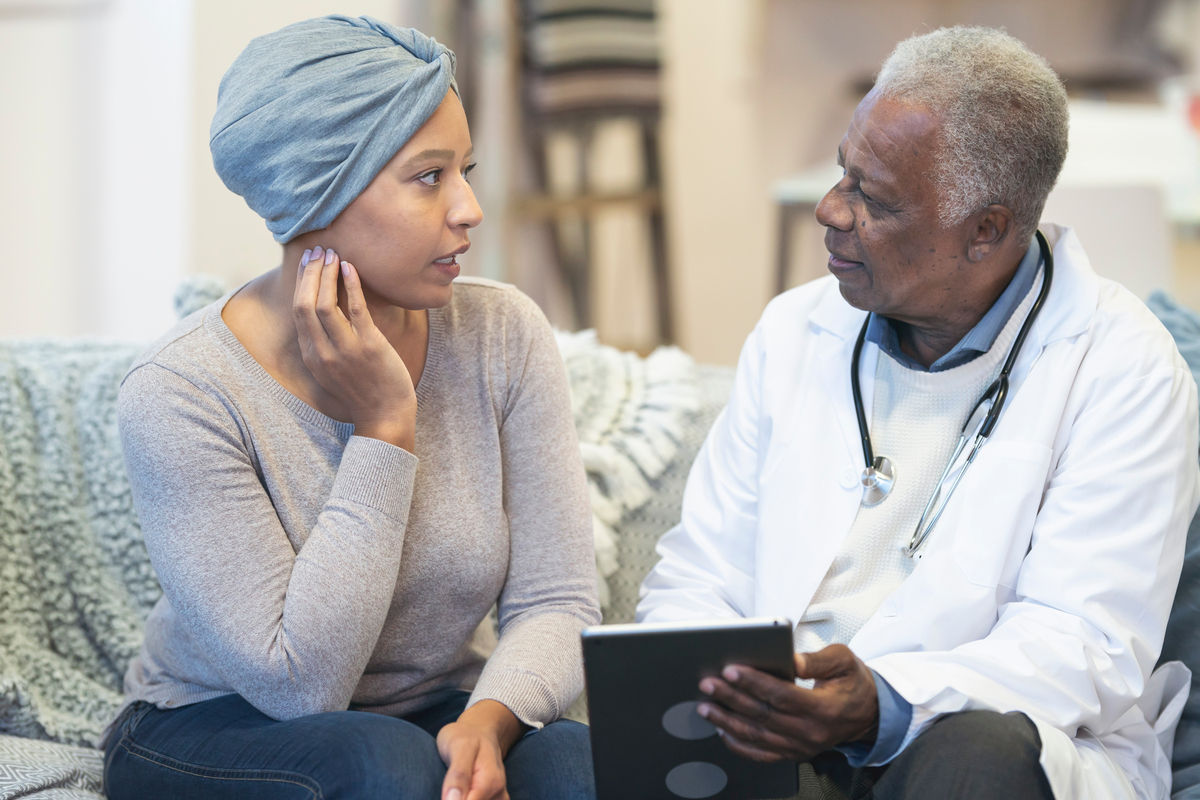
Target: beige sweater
{"type": "Point", "coordinates": [309, 570]}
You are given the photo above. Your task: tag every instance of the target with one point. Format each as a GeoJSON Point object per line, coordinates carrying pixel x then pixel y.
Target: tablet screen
{"type": "Point", "coordinates": [642, 691]}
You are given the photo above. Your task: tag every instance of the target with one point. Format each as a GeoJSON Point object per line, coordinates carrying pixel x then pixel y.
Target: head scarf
{"type": "Point", "coordinates": [308, 115]}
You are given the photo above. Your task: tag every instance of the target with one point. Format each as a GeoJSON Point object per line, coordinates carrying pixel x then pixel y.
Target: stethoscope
{"type": "Point", "coordinates": [879, 476]}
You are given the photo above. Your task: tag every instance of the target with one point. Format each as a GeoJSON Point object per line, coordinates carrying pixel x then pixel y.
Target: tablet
{"type": "Point", "coordinates": [642, 692]}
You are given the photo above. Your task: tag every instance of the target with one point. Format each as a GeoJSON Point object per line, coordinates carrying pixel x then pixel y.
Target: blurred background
{"type": "Point", "coordinates": [647, 167]}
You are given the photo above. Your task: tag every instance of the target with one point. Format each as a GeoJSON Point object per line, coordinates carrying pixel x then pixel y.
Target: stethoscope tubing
{"type": "Point", "coordinates": [996, 394]}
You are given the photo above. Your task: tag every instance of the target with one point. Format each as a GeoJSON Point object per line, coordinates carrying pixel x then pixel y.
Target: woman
{"type": "Point", "coordinates": [342, 466]}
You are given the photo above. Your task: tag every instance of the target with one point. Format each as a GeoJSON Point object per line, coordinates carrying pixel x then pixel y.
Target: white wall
{"type": "Point", "coordinates": [761, 89]}
{"type": "Point", "coordinates": [109, 195]}
{"type": "Point", "coordinates": [50, 176]}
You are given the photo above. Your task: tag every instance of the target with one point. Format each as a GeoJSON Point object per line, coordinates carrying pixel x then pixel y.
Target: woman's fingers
{"type": "Point", "coordinates": [474, 765]}
{"type": "Point", "coordinates": [336, 326]}
{"type": "Point", "coordinates": [459, 766]}
{"type": "Point", "coordinates": [304, 298]}
{"type": "Point", "coordinates": [356, 303]}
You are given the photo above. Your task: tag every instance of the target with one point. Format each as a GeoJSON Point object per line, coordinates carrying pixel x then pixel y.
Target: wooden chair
{"type": "Point", "coordinates": [580, 65]}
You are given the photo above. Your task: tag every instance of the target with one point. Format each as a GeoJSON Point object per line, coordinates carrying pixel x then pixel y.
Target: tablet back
{"type": "Point", "coordinates": [648, 742]}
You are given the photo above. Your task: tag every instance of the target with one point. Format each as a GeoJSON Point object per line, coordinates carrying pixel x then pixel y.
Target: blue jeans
{"type": "Point", "coordinates": [225, 748]}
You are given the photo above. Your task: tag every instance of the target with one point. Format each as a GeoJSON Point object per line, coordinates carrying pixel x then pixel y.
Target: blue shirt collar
{"type": "Point", "coordinates": [979, 339]}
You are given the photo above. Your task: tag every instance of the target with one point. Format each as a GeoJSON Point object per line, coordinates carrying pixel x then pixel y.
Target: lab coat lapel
{"type": "Point", "coordinates": [1074, 279]}
{"type": "Point", "coordinates": [836, 324]}
{"type": "Point", "coordinates": [827, 461]}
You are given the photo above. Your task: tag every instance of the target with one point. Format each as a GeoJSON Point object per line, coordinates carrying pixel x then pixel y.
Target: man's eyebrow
{"type": "Point", "coordinates": [874, 178]}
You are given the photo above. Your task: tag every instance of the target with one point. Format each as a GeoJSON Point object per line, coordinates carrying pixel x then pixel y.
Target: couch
{"type": "Point", "coordinates": [75, 582]}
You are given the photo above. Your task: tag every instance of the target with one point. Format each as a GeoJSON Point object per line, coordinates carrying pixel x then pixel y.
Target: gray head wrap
{"type": "Point", "coordinates": [308, 115]}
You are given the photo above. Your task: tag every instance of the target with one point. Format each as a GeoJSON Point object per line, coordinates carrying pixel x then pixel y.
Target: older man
{"type": "Point", "coordinates": [979, 621]}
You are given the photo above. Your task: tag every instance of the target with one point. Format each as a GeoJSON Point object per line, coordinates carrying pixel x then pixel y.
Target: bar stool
{"type": "Point", "coordinates": [582, 65]}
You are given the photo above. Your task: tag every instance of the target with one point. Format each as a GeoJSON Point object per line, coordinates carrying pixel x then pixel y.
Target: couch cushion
{"type": "Point", "coordinates": [1183, 629]}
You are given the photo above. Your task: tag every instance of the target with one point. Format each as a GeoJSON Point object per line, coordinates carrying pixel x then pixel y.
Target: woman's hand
{"type": "Point", "coordinates": [347, 355]}
{"type": "Point", "coordinates": [474, 748]}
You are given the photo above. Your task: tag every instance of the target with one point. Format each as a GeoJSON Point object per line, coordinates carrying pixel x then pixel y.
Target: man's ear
{"type": "Point", "coordinates": [990, 228]}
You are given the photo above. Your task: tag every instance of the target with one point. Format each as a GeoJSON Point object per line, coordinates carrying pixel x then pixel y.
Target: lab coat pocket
{"type": "Point", "coordinates": [995, 507]}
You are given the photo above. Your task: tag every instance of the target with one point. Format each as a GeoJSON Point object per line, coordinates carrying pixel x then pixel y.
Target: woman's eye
{"type": "Point", "coordinates": [467, 172]}
{"type": "Point", "coordinates": [431, 178]}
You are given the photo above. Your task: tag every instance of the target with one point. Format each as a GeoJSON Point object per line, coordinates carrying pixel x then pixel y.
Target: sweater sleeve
{"type": "Point", "coordinates": [550, 592]}
{"type": "Point", "coordinates": [289, 630]}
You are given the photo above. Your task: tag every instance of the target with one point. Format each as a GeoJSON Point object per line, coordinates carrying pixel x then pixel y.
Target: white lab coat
{"type": "Point", "coordinates": [1046, 585]}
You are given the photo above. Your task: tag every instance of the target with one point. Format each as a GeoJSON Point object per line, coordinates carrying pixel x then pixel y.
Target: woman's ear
{"type": "Point", "coordinates": [989, 231]}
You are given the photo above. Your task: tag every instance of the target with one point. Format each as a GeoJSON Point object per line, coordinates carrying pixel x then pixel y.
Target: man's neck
{"type": "Point", "coordinates": [927, 343]}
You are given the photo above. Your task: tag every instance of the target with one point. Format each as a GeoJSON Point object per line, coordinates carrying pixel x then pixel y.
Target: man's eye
{"type": "Point", "coordinates": [431, 178]}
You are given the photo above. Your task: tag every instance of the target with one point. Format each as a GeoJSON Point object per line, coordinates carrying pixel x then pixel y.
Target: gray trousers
{"type": "Point", "coordinates": [980, 755]}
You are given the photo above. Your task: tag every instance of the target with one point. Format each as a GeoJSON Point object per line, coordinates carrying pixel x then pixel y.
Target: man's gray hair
{"type": "Point", "coordinates": [1003, 114]}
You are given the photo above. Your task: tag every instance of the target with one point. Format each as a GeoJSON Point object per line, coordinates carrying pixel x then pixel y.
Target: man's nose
{"type": "Point", "coordinates": [833, 211]}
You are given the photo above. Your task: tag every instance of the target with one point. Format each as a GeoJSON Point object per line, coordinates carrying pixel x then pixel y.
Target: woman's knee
{"type": "Point", "coordinates": [554, 763]}
{"type": "Point", "coordinates": [345, 754]}
{"type": "Point", "coordinates": [363, 755]}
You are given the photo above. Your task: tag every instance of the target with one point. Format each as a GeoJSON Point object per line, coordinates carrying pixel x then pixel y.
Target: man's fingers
{"type": "Point", "coordinates": [746, 750]}
{"type": "Point", "coordinates": [774, 716]}
{"type": "Point", "coordinates": [753, 734]}
{"type": "Point", "coordinates": [738, 698]}
{"type": "Point", "coordinates": [767, 689]}
{"type": "Point", "coordinates": [829, 662]}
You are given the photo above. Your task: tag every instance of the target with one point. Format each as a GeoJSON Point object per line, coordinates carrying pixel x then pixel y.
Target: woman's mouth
{"type": "Point", "coordinates": [448, 265]}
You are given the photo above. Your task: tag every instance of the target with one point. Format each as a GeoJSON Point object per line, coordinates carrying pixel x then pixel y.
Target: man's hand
{"type": "Point", "coordinates": [474, 748]}
{"type": "Point", "coordinates": [767, 719]}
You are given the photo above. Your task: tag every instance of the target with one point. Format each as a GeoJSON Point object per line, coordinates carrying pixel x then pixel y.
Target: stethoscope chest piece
{"type": "Point", "coordinates": [877, 481]}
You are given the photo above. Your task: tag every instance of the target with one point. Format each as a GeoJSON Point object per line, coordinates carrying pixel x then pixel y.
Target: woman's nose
{"type": "Point", "coordinates": [465, 212]}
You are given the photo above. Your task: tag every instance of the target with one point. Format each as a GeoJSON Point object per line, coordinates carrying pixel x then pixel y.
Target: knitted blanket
{"type": "Point", "coordinates": [631, 415]}
{"type": "Point", "coordinates": [75, 581]}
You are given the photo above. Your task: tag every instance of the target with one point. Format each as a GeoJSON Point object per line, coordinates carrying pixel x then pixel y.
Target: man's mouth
{"type": "Point", "coordinates": [837, 262]}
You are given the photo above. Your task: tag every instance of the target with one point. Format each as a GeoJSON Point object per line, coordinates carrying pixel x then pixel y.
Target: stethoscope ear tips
{"type": "Point", "coordinates": [877, 481]}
